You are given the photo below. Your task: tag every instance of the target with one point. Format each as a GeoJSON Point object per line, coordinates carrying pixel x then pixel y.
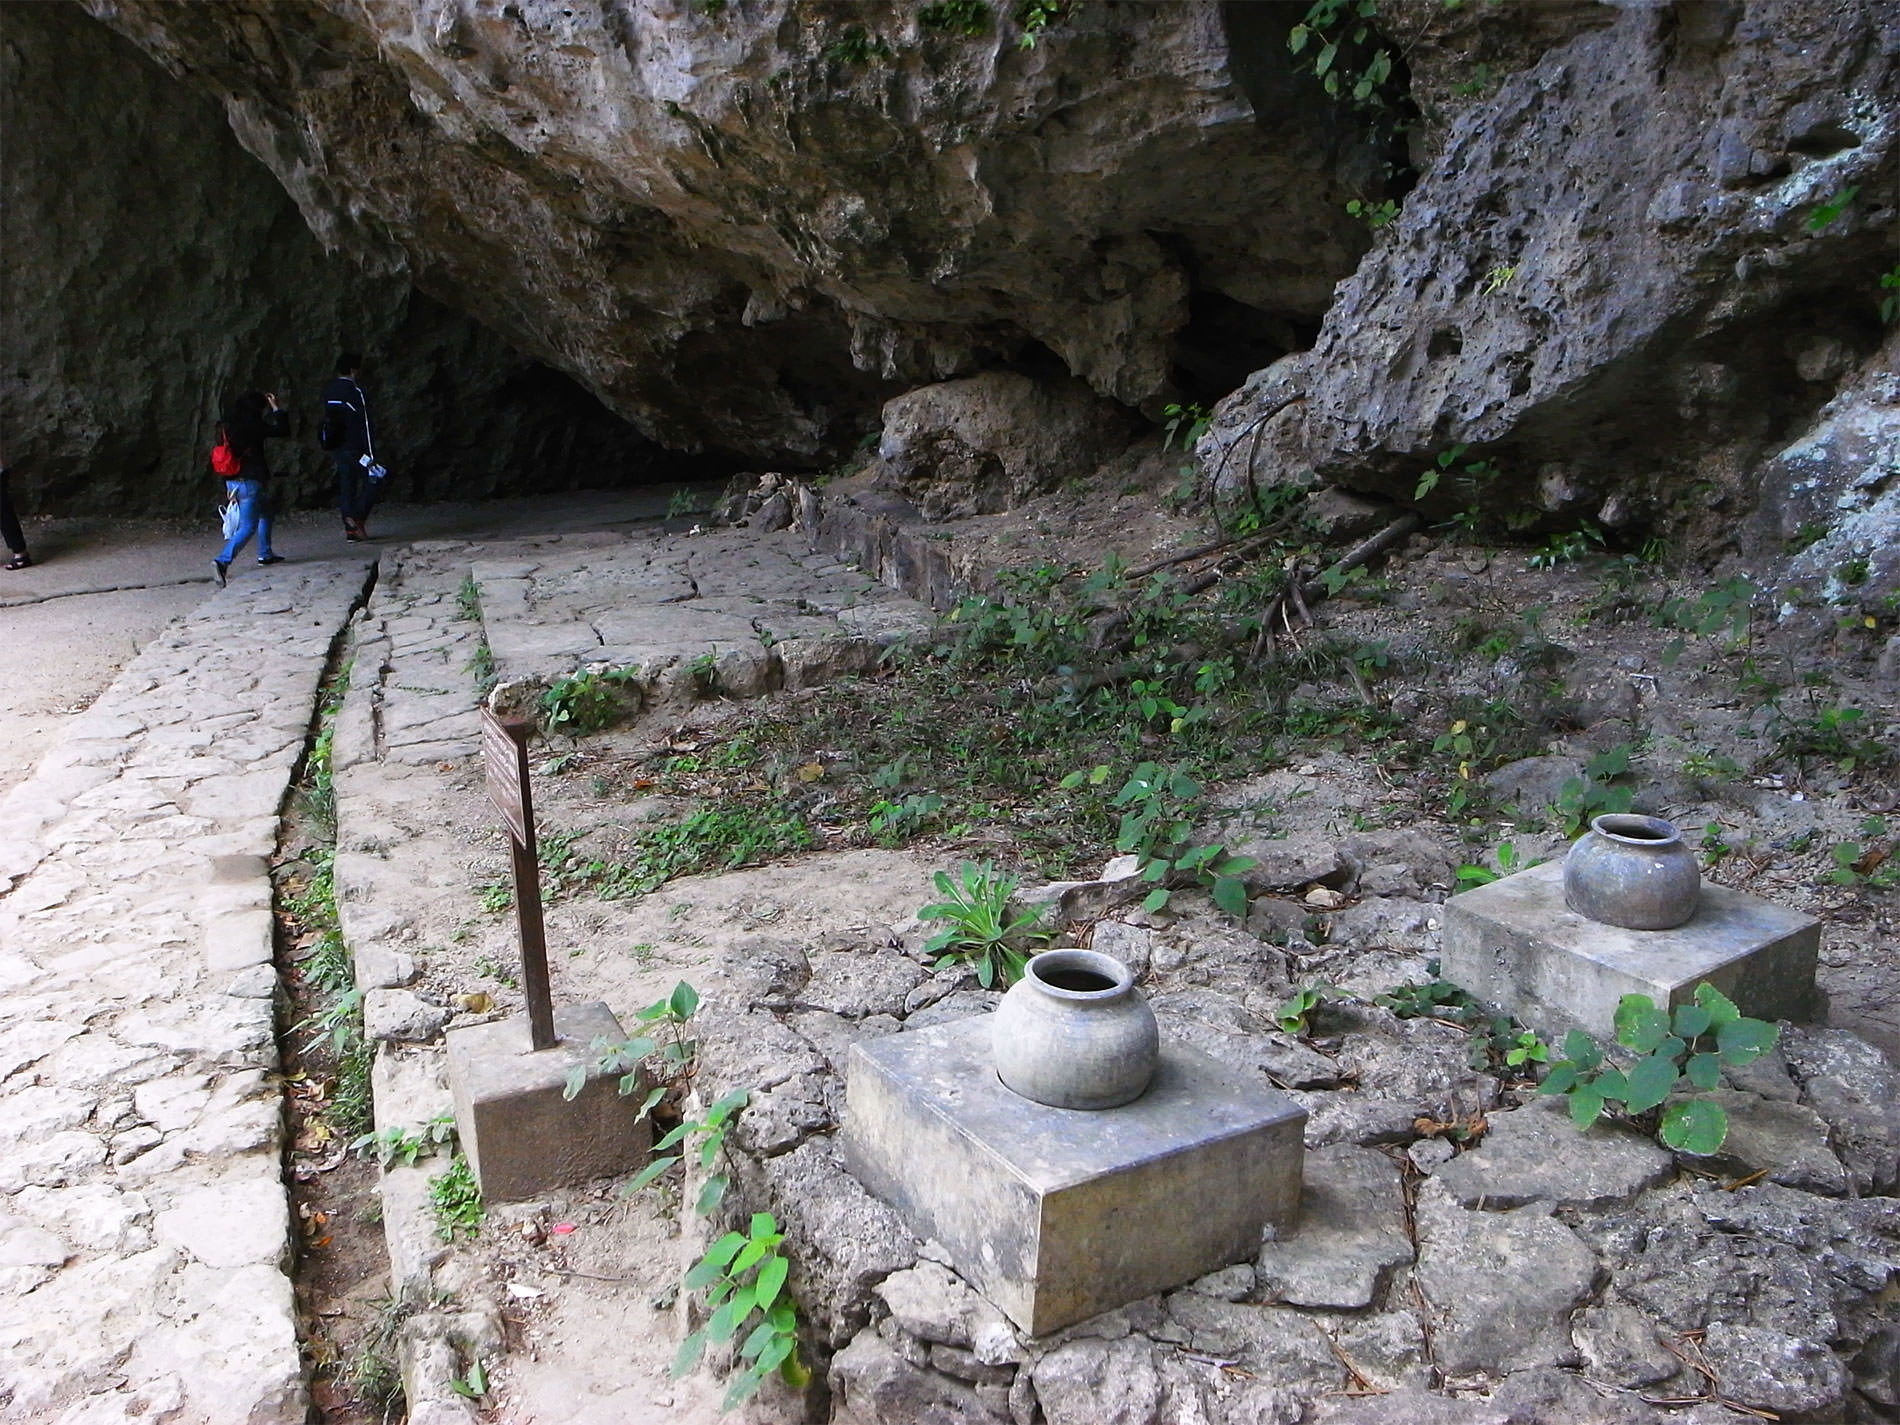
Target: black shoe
{"type": "Point", "coordinates": [272, 559]}
{"type": "Point", "coordinates": [218, 566]}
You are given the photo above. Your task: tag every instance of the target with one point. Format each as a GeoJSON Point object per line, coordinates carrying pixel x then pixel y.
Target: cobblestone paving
{"type": "Point", "coordinates": [144, 1227]}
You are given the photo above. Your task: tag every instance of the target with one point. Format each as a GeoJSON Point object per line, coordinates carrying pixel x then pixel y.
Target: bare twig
{"type": "Point", "coordinates": [1345, 1360]}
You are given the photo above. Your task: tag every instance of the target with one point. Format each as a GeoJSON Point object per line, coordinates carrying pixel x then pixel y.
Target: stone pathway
{"type": "Point", "coordinates": [761, 610]}
{"type": "Point", "coordinates": [144, 1236]}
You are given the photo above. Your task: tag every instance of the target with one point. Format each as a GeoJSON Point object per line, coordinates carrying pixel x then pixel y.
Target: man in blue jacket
{"type": "Point", "coordinates": [348, 438]}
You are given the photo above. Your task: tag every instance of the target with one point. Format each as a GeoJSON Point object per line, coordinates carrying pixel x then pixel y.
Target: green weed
{"type": "Point", "coordinates": [1690, 1046]}
{"type": "Point", "coordinates": [456, 1200]}
{"type": "Point", "coordinates": [979, 929]}
{"type": "Point", "coordinates": [590, 701]}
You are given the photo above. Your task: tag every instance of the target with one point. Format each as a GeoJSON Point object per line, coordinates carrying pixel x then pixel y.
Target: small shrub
{"type": "Point", "coordinates": [1295, 1015]}
{"type": "Point", "coordinates": [979, 929]}
{"type": "Point", "coordinates": [400, 1145]}
{"type": "Point", "coordinates": [456, 1199]}
{"type": "Point", "coordinates": [1693, 1044]}
{"type": "Point", "coordinates": [969, 18]}
{"type": "Point", "coordinates": [589, 701]}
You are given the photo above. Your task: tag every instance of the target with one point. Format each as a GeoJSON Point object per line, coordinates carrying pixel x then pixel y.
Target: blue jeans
{"type": "Point", "coordinates": [253, 518]}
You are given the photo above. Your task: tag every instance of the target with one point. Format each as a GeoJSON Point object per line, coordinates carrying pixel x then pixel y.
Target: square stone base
{"type": "Point", "coordinates": [1515, 944]}
{"type": "Point", "coordinates": [1058, 1214]}
{"type": "Point", "coordinates": [521, 1135]}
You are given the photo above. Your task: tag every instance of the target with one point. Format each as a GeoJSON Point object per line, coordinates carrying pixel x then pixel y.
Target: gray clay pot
{"type": "Point", "coordinates": [1075, 1033]}
{"type": "Point", "coordinates": [1634, 872]}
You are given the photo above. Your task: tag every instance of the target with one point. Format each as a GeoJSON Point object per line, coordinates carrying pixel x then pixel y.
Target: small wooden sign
{"type": "Point", "coordinates": [505, 755]}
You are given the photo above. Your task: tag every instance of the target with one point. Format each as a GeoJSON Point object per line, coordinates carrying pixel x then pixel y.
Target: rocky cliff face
{"type": "Point", "coordinates": [153, 268]}
{"type": "Point", "coordinates": [744, 225]}
{"type": "Point", "coordinates": [1635, 268]}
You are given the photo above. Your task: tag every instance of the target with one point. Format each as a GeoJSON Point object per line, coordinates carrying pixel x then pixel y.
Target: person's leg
{"type": "Point", "coordinates": [10, 525]}
{"type": "Point", "coordinates": [264, 555]}
{"type": "Point", "coordinates": [349, 492]}
{"type": "Point", "coordinates": [245, 492]}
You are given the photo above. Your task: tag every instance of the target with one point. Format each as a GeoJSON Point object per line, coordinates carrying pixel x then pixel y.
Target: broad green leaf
{"type": "Point", "coordinates": [709, 1149]}
{"type": "Point", "coordinates": [754, 1251]}
{"type": "Point", "coordinates": [684, 1000]}
{"type": "Point", "coordinates": [576, 1079]}
{"type": "Point", "coordinates": [1324, 61]}
{"type": "Point", "coordinates": [691, 1349]}
{"type": "Point", "coordinates": [1696, 1126]}
{"type": "Point", "coordinates": [674, 1137]}
{"type": "Point", "coordinates": [1586, 1103]}
{"type": "Point", "coordinates": [783, 1317]}
{"type": "Point", "coordinates": [1155, 899]}
{"type": "Point", "coordinates": [725, 1321]}
{"type": "Point", "coordinates": [771, 1281]}
{"type": "Point", "coordinates": [1704, 1070]}
{"type": "Point", "coordinates": [726, 1248]}
{"type": "Point", "coordinates": [1743, 1040]}
{"type": "Point", "coordinates": [1639, 1024]}
{"type": "Point", "coordinates": [1296, 38]}
{"type": "Point", "coordinates": [651, 1171]}
{"type": "Point", "coordinates": [1692, 1020]}
{"type": "Point", "coordinates": [711, 1192]}
{"type": "Point", "coordinates": [703, 1273]}
{"type": "Point", "coordinates": [760, 1338]}
{"type": "Point", "coordinates": [1581, 1050]}
{"type": "Point", "coordinates": [1230, 894]}
{"type": "Point", "coordinates": [742, 1387]}
{"type": "Point", "coordinates": [647, 1104]}
{"type": "Point", "coordinates": [1560, 1079]}
{"type": "Point", "coordinates": [1650, 1082]}
{"type": "Point", "coordinates": [728, 1104]}
{"type": "Point", "coordinates": [777, 1349]}
{"type": "Point", "coordinates": [1721, 1008]}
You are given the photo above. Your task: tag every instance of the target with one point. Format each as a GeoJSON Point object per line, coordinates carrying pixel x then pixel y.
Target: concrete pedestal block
{"type": "Point", "coordinates": [522, 1137]}
{"type": "Point", "coordinates": [1058, 1214]}
{"type": "Point", "coordinates": [1515, 944]}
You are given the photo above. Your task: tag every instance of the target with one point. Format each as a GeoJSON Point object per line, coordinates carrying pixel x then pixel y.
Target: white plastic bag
{"type": "Point", "coordinates": [229, 517]}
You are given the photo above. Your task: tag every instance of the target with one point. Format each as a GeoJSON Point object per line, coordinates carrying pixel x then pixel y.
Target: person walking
{"type": "Point", "coordinates": [10, 525]}
{"type": "Point", "coordinates": [352, 445]}
{"type": "Point", "coordinates": [249, 421]}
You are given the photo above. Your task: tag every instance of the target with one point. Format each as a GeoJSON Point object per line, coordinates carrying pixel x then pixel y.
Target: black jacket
{"type": "Point", "coordinates": [348, 412]}
{"type": "Point", "coordinates": [247, 434]}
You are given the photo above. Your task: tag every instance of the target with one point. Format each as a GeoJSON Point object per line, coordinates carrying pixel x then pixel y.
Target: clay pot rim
{"type": "Point", "coordinates": [1092, 961]}
{"type": "Point", "coordinates": [1628, 828]}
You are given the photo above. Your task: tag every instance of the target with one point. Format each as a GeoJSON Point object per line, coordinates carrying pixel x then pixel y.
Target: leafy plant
{"type": "Point", "coordinates": [1452, 462]}
{"type": "Point", "coordinates": [1497, 1040]}
{"type": "Point", "coordinates": [589, 701]}
{"type": "Point", "coordinates": [684, 501]}
{"type": "Point", "coordinates": [743, 1275]}
{"type": "Point", "coordinates": [1497, 279]}
{"type": "Point", "coordinates": [1374, 215]}
{"type": "Point", "coordinates": [722, 838]}
{"type": "Point", "coordinates": [675, 1052]}
{"type": "Point", "coordinates": [979, 929]}
{"type": "Point", "coordinates": [1868, 864]}
{"type": "Point", "coordinates": [1034, 17]}
{"type": "Point", "coordinates": [1890, 284]}
{"type": "Point", "coordinates": [472, 1385]}
{"type": "Point", "coordinates": [1184, 425]}
{"type": "Point", "coordinates": [1833, 733]}
{"type": "Point", "coordinates": [1470, 877]}
{"type": "Point", "coordinates": [468, 600]}
{"type": "Point", "coordinates": [957, 17]}
{"type": "Point", "coordinates": [856, 46]}
{"type": "Point", "coordinates": [1825, 213]}
{"type": "Point", "coordinates": [1157, 807]}
{"type": "Point", "coordinates": [1582, 799]}
{"type": "Point", "coordinates": [1294, 1015]}
{"type": "Point", "coordinates": [401, 1145]}
{"type": "Point", "coordinates": [1693, 1044]}
{"type": "Point", "coordinates": [1727, 608]}
{"type": "Point", "coordinates": [892, 823]}
{"type": "Point", "coordinates": [1339, 30]}
{"type": "Point", "coordinates": [456, 1200]}
{"type": "Point", "coordinates": [1567, 547]}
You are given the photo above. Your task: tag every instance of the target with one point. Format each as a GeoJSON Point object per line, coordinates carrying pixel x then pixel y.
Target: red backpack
{"type": "Point", "coordinates": [225, 460]}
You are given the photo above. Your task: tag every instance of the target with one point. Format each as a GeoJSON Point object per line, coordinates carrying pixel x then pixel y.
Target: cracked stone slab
{"type": "Point", "coordinates": [1350, 1237]}
{"type": "Point", "coordinates": [1535, 1154]}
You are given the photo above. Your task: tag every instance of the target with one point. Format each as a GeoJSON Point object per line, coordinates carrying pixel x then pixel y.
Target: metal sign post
{"type": "Point", "coordinates": [505, 755]}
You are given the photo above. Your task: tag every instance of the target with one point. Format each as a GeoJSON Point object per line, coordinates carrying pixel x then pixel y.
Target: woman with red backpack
{"type": "Point", "coordinates": [249, 421]}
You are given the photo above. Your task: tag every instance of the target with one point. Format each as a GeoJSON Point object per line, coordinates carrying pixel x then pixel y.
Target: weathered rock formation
{"type": "Point", "coordinates": [1642, 262]}
{"type": "Point", "coordinates": [153, 268]}
{"type": "Point", "coordinates": [746, 225]}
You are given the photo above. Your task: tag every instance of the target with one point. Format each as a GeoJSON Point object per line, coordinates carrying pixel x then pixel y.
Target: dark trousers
{"type": "Point", "coordinates": [9, 521]}
{"type": "Point", "coordinates": [354, 496]}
